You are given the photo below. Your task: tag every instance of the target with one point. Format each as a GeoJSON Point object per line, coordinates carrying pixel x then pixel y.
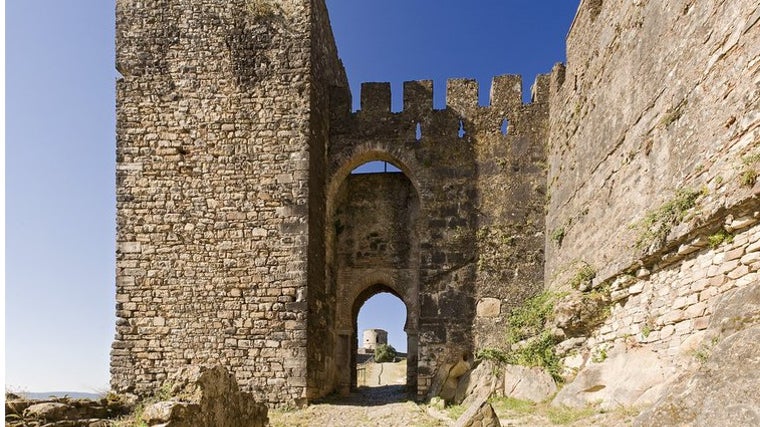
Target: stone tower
{"type": "Point", "coordinates": [374, 337]}
{"type": "Point", "coordinates": [222, 132]}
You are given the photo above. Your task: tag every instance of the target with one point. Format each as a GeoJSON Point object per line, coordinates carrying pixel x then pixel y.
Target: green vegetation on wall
{"type": "Point", "coordinates": [657, 224]}
{"type": "Point", "coordinates": [530, 344]}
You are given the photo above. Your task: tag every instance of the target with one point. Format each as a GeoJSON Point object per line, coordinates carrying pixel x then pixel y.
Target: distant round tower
{"type": "Point", "coordinates": [374, 337]}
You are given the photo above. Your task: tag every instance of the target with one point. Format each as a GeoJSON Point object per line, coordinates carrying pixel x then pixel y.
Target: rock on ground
{"type": "Point", "coordinates": [479, 414]}
{"type": "Point", "coordinates": [478, 382]}
{"type": "Point", "coordinates": [206, 396]}
{"type": "Point", "coordinates": [64, 411]}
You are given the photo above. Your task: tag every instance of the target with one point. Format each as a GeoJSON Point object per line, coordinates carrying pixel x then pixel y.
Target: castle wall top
{"type": "Point", "coordinates": [462, 95]}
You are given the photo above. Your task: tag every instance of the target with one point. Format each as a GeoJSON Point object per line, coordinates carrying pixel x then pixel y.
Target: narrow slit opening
{"type": "Point", "coordinates": [504, 127]}
{"type": "Point", "coordinates": [418, 132]}
{"type": "Point", "coordinates": [461, 129]}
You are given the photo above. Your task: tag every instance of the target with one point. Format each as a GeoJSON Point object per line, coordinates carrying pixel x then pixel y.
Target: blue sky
{"type": "Point", "coordinates": [60, 150]}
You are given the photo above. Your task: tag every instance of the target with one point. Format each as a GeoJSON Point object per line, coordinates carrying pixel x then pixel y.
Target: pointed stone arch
{"type": "Point", "coordinates": [372, 246]}
{"type": "Point", "coordinates": [411, 303]}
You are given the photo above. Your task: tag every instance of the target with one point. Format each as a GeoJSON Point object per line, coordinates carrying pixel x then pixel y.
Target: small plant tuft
{"type": "Point", "coordinates": [493, 354]}
{"type": "Point", "coordinates": [558, 234]}
{"type": "Point", "coordinates": [600, 354]}
{"type": "Point", "coordinates": [749, 175]}
{"type": "Point", "coordinates": [719, 238]}
{"type": "Point", "coordinates": [530, 344]}
{"type": "Point", "coordinates": [528, 320]}
{"type": "Point", "coordinates": [751, 159]}
{"type": "Point", "coordinates": [673, 114]}
{"type": "Point", "coordinates": [646, 330]}
{"type": "Point", "coordinates": [585, 274]}
{"type": "Point", "coordinates": [657, 224]}
{"type": "Point", "coordinates": [539, 351]}
{"type": "Point", "coordinates": [748, 178]}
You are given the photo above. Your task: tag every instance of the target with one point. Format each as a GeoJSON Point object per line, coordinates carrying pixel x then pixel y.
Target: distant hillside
{"type": "Point", "coordinates": [72, 394]}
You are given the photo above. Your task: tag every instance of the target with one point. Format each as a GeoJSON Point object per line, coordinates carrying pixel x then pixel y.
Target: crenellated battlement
{"type": "Point", "coordinates": [506, 114]}
{"type": "Point", "coordinates": [462, 96]}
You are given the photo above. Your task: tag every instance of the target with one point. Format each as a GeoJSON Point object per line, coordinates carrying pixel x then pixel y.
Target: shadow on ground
{"type": "Point", "coordinates": [371, 396]}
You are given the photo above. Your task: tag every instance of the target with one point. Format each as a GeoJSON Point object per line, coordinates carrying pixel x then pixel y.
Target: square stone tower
{"type": "Point", "coordinates": [222, 123]}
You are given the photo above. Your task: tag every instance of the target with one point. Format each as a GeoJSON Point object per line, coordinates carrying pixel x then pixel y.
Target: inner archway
{"type": "Point", "coordinates": [380, 328]}
{"type": "Point", "coordinates": [372, 248]}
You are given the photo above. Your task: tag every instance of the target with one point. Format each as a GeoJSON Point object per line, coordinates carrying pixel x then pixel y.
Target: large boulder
{"type": "Point", "coordinates": [627, 377]}
{"type": "Point", "coordinates": [724, 389]}
{"type": "Point", "coordinates": [723, 392]}
{"type": "Point", "coordinates": [206, 396]}
{"type": "Point", "coordinates": [533, 384]}
{"type": "Point", "coordinates": [479, 382]}
{"type": "Point", "coordinates": [50, 411]}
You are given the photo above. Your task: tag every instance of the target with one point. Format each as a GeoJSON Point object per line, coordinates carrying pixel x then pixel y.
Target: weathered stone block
{"type": "Point", "coordinates": [488, 307]}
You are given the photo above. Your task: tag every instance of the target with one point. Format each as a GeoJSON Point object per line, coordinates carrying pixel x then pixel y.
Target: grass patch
{"type": "Point", "coordinates": [539, 352]}
{"type": "Point", "coordinates": [493, 354]}
{"type": "Point", "coordinates": [512, 405]}
{"type": "Point", "coordinates": [658, 223]}
{"type": "Point", "coordinates": [455, 411]}
{"type": "Point", "coordinates": [563, 415]}
{"type": "Point", "coordinates": [528, 320]}
{"type": "Point", "coordinates": [530, 344]}
{"type": "Point", "coordinates": [748, 178]}
{"type": "Point", "coordinates": [751, 159]}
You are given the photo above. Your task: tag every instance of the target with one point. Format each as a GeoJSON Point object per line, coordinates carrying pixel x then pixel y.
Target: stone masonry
{"type": "Point", "coordinates": [244, 240]}
{"type": "Point", "coordinates": [654, 151]}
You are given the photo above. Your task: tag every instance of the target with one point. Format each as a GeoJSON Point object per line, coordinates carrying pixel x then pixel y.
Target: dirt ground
{"type": "Point", "coordinates": [370, 406]}
{"type": "Point", "coordinates": [389, 406]}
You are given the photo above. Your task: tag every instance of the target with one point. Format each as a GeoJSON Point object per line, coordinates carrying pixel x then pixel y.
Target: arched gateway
{"type": "Point", "coordinates": [373, 247]}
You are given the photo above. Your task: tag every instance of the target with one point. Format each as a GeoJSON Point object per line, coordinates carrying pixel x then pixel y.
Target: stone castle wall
{"type": "Point", "coordinates": [666, 309]}
{"type": "Point", "coordinates": [657, 96]}
{"type": "Point", "coordinates": [235, 138]}
{"type": "Point", "coordinates": [662, 316]}
{"type": "Point", "coordinates": [240, 228]}
{"type": "Point", "coordinates": [329, 86]}
{"type": "Point", "coordinates": [654, 149]}
{"type": "Point", "coordinates": [450, 158]}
